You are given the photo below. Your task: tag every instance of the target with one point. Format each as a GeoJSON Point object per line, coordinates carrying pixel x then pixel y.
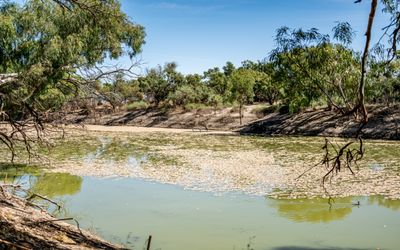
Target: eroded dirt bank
{"type": "Point", "coordinates": [220, 119]}
{"type": "Point", "coordinates": [24, 226]}
{"type": "Point", "coordinates": [384, 121]}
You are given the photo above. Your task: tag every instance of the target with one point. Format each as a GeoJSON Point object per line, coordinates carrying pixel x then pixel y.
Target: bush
{"type": "Point", "coordinates": [196, 106]}
{"type": "Point", "coordinates": [284, 109]}
{"type": "Point", "coordinates": [137, 105]}
{"type": "Point", "coordinates": [263, 110]}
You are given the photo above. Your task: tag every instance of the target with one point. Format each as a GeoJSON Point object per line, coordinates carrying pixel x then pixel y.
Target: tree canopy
{"type": "Point", "coordinates": [52, 51]}
{"type": "Point", "coordinates": [47, 46]}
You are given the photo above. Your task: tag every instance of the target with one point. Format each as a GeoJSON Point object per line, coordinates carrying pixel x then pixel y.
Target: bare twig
{"type": "Point", "coordinates": [49, 221]}
{"type": "Point", "coordinates": [43, 198]}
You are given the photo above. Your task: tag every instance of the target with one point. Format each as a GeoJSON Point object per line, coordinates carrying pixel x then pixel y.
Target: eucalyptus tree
{"type": "Point", "coordinates": [48, 45]}
{"type": "Point", "coordinates": [383, 80]}
{"type": "Point", "coordinates": [313, 68]}
{"type": "Point", "coordinates": [160, 82]}
{"type": "Point", "coordinates": [228, 69]}
{"type": "Point", "coordinates": [154, 85]}
{"type": "Point", "coordinates": [267, 87]}
{"type": "Point", "coordinates": [187, 92]}
{"type": "Point", "coordinates": [172, 76]}
{"type": "Point", "coordinates": [392, 30]}
{"type": "Point", "coordinates": [243, 81]}
{"type": "Point", "coordinates": [219, 83]}
{"type": "Point", "coordinates": [120, 91]}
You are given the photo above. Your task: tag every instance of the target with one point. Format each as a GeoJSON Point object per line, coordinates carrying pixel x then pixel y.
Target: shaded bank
{"type": "Point", "coordinates": [384, 123]}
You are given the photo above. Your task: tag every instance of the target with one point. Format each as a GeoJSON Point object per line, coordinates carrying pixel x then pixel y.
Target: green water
{"type": "Point", "coordinates": [129, 210]}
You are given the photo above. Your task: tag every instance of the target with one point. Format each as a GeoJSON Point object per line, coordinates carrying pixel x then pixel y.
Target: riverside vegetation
{"type": "Point", "coordinates": [53, 58]}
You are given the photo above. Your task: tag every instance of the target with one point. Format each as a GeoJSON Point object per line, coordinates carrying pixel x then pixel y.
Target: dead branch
{"type": "Point", "coordinates": [33, 195]}
{"type": "Point", "coordinates": [49, 221]}
{"type": "Point", "coordinates": [344, 156]}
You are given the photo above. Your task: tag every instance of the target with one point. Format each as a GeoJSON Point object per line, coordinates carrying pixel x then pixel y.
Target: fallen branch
{"type": "Point", "coordinates": [43, 198]}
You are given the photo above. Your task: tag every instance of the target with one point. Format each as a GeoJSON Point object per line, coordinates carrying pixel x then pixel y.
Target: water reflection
{"type": "Point", "coordinates": [47, 184]}
{"type": "Point", "coordinates": [13, 172]}
{"type": "Point", "coordinates": [57, 184]}
{"type": "Point", "coordinates": [381, 201]}
{"type": "Point", "coordinates": [128, 210]}
{"type": "Point", "coordinates": [314, 210]}
{"type": "Point", "coordinates": [113, 150]}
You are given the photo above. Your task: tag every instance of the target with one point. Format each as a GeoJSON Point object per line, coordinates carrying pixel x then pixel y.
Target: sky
{"type": "Point", "coordinates": [202, 34]}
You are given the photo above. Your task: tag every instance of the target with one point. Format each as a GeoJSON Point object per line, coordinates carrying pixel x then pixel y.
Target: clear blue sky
{"type": "Point", "coordinates": [200, 34]}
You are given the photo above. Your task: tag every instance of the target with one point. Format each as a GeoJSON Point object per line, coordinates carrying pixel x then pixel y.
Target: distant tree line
{"type": "Point", "coordinates": [306, 69]}
{"type": "Point", "coordinates": [52, 54]}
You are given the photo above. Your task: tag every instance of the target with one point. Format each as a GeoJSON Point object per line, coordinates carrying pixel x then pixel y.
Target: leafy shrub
{"type": "Point", "coordinates": [263, 110]}
{"type": "Point", "coordinates": [196, 106]}
{"type": "Point", "coordinates": [137, 105]}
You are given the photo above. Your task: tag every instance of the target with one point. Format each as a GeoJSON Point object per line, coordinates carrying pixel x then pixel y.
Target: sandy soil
{"type": "Point", "coordinates": [384, 121]}
{"type": "Point", "coordinates": [220, 119]}
{"type": "Point", "coordinates": [135, 129]}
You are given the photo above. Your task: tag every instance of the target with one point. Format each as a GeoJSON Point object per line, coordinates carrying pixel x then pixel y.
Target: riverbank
{"type": "Point", "coordinates": [384, 121]}
{"type": "Point", "coordinates": [25, 226]}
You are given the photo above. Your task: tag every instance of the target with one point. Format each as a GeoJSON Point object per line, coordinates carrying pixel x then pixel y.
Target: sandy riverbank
{"type": "Point", "coordinates": [384, 121]}
{"type": "Point", "coordinates": [135, 129]}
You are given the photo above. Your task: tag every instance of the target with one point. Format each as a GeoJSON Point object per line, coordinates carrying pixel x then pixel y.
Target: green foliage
{"type": "Point", "coordinates": [196, 106]}
{"type": "Point", "coordinates": [219, 83]}
{"type": "Point", "coordinates": [137, 105]}
{"type": "Point", "coordinates": [49, 43]}
{"type": "Point", "coordinates": [120, 91]}
{"type": "Point", "coordinates": [53, 99]}
{"type": "Point", "coordinates": [45, 43]}
{"type": "Point", "coordinates": [383, 82]}
{"type": "Point", "coordinates": [243, 81]}
{"type": "Point", "coordinates": [314, 70]}
{"type": "Point", "coordinates": [160, 82]}
{"type": "Point", "coordinates": [267, 87]}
